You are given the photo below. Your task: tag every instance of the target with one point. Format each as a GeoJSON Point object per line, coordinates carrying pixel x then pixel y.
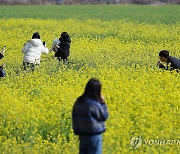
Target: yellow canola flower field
{"type": "Point", "coordinates": [143, 101]}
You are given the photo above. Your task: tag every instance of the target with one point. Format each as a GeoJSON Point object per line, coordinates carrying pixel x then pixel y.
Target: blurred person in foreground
{"type": "Point", "coordinates": [2, 71]}
{"type": "Point", "coordinates": [166, 58]}
{"type": "Point", "coordinates": [88, 117]}
{"type": "Point", "coordinates": [32, 51]}
{"type": "Point", "coordinates": [61, 47]}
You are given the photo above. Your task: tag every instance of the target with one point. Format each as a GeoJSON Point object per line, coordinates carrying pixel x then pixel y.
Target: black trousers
{"type": "Point", "coordinates": [62, 58]}
{"type": "Point", "coordinates": [28, 65]}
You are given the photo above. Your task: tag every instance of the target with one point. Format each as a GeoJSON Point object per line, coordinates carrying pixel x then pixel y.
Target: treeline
{"type": "Point", "coordinates": [142, 2]}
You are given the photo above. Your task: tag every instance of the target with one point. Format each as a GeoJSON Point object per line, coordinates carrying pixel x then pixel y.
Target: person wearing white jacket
{"type": "Point", "coordinates": [32, 51]}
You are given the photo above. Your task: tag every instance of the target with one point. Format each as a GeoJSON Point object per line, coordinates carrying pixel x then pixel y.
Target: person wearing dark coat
{"type": "Point", "coordinates": [164, 57]}
{"type": "Point", "coordinates": [2, 71]}
{"type": "Point", "coordinates": [88, 117]}
{"type": "Point", "coordinates": [1, 56]}
{"type": "Point", "coordinates": [63, 49]}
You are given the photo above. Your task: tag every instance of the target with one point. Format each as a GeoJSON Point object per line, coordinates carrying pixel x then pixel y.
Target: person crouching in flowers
{"type": "Point", "coordinates": [164, 57]}
{"type": "Point", "coordinates": [32, 51]}
{"type": "Point", "coordinates": [88, 117]}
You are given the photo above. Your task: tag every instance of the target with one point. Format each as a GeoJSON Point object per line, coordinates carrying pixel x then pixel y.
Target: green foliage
{"type": "Point", "coordinates": [150, 14]}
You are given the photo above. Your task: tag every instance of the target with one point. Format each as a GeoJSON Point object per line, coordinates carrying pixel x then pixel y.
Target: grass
{"type": "Point", "coordinates": [168, 14]}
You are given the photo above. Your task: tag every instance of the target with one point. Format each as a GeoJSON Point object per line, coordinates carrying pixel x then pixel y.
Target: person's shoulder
{"type": "Point", "coordinates": [174, 59]}
{"type": "Point", "coordinates": [79, 100]}
{"type": "Point", "coordinates": [28, 42]}
{"type": "Point", "coordinates": [78, 103]}
{"type": "Point", "coordinates": [93, 102]}
{"type": "Point", "coordinates": [175, 62]}
{"type": "Point", "coordinates": [68, 40]}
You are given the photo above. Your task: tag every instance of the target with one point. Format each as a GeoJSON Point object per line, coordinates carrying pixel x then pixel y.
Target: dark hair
{"type": "Point", "coordinates": [36, 36]}
{"type": "Point", "coordinates": [64, 35]}
{"type": "Point", "coordinates": [164, 53]}
{"type": "Point", "coordinates": [92, 90]}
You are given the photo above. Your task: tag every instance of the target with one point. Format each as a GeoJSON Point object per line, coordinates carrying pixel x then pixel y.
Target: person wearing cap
{"type": "Point", "coordinates": [32, 51]}
{"type": "Point", "coordinates": [166, 58]}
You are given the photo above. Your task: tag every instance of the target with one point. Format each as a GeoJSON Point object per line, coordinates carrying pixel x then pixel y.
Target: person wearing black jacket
{"type": "Point", "coordinates": [164, 57]}
{"type": "Point", "coordinates": [63, 49]}
{"type": "Point", "coordinates": [1, 56]}
{"type": "Point", "coordinates": [2, 71]}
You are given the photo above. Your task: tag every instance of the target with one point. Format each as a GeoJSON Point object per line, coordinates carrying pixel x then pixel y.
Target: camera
{"type": "Point", "coordinates": [161, 65]}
